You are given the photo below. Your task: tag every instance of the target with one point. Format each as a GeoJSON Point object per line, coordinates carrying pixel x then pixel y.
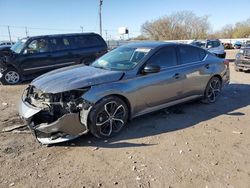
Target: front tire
{"type": "Point", "coordinates": [212, 91]}
{"type": "Point", "coordinates": [10, 77]}
{"type": "Point", "coordinates": [108, 117]}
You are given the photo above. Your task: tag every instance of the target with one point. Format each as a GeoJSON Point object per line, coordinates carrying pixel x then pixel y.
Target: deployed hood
{"type": "Point", "coordinates": [74, 77]}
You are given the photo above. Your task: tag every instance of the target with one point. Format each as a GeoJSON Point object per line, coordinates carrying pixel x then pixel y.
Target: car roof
{"type": "Point", "coordinates": [60, 35]}
{"type": "Point", "coordinates": [149, 44]}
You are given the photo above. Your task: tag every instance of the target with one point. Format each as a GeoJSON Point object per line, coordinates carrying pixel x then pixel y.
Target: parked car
{"type": "Point", "coordinates": [242, 60]}
{"type": "Point", "coordinates": [212, 45]}
{"type": "Point", "coordinates": [4, 50]}
{"type": "Point", "coordinates": [6, 43]}
{"type": "Point", "coordinates": [228, 46]}
{"type": "Point", "coordinates": [246, 44]}
{"type": "Point", "coordinates": [127, 82]}
{"type": "Point", "coordinates": [237, 45]}
{"type": "Point", "coordinates": [31, 57]}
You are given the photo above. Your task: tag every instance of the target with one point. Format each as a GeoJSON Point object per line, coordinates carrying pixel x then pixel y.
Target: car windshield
{"type": "Point", "coordinates": [123, 58]}
{"type": "Point", "coordinates": [17, 47]}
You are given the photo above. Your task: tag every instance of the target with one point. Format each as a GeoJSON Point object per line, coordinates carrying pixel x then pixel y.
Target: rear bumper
{"type": "Point", "coordinates": [65, 128]}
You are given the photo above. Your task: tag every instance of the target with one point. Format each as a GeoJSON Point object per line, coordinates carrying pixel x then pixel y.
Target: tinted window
{"type": "Point", "coordinates": [60, 43]}
{"type": "Point", "coordinates": [165, 57]}
{"type": "Point", "coordinates": [189, 54]}
{"type": "Point", "coordinates": [37, 46]}
{"type": "Point", "coordinates": [213, 44]}
{"type": "Point", "coordinates": [87, 41]}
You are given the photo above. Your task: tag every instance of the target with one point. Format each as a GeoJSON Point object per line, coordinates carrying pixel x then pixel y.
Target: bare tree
{"type": "Point", "coordinates": [179, 25]}
{"type": "Point", "coordinates": [239, 30]}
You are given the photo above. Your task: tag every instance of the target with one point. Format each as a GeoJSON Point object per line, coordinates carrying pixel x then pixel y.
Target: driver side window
{"type": "Point", "coordinates": [37, 46]}
{"type": "Point", "coordinates": [165, 57]}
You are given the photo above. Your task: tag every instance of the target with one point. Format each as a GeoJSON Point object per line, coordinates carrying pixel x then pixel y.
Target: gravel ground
{"type": "Point", "coordinates": [189, 145]}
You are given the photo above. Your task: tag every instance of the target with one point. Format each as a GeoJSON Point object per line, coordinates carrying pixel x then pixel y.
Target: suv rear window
{"type": "Point", "coordinates": [87, 41]}
{"type": "Point", "coordinates": [213, 44]}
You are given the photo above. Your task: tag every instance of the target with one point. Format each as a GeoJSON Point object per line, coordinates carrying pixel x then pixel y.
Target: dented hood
{"type": "Point", "coordinates": [74, 77]}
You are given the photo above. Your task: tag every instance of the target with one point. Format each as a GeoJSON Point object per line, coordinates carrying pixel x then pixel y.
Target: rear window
{"type": "Point", "coordinates": [213, 44]}
{"type": "Point", "coordinates": [189, 54]}
{"type": "Point", "coordinates": [88, 41]}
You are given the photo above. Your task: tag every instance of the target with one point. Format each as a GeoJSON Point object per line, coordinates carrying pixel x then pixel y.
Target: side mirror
{"type": "Point", "coordinates": [209, 46]}
{"type": "Point", "coordinates": [151, 69]}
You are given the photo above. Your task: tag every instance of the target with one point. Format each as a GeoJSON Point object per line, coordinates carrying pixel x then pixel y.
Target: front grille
{"type": "Point", "coordinates": [247, 53]}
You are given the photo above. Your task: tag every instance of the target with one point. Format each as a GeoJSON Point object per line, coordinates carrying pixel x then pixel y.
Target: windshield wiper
{"type": "Point", "coordinates": [100, 67]}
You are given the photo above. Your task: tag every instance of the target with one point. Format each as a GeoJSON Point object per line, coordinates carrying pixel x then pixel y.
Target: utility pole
{"type": "Point", "coordinates": [26, 31]}
{"type": "Point", "coordinates": [9, 33]}
{"type": "Point", "coordinates": [100, 16]}
{"type": "Point", "coordinates": [81, 28]}
{"type": "Point", "coordinates": [106, 33]}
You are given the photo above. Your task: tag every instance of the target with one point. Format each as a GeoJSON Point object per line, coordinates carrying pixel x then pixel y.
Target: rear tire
{"type": "Point", "coordinates": [10, 76]}
{"type": "Point", "coordinates": [108, 117]}
{"type": "Point", "coordinates": [212, 90]}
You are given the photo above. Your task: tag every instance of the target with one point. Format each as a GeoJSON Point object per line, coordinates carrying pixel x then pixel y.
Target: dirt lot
{"type": "Point", "coordinates": [190, 145]}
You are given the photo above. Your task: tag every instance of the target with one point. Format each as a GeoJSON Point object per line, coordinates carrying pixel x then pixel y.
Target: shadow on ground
{"type": "Point", "coordinates": [233, 97]}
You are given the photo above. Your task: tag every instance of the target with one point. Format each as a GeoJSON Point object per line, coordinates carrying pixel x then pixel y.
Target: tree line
{"type": "Point", "coordinates": [186, 25]}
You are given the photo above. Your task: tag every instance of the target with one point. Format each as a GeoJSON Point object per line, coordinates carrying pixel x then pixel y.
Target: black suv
{"type": "Point", "coordinates": [33, 56]}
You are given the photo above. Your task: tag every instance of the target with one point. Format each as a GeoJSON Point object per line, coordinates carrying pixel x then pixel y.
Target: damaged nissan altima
{"type": "Point", "coordinates": [127, 82]}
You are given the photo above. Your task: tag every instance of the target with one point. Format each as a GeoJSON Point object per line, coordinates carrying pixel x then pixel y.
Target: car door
{"type": "Point", "coordinates": [61, 52]}
{"type": "Point", "coordinates": [35, 58]}
{"type": "Point", "coordinates": [164, 86]}
{"type": "Point", "coordinates": [194, 69]}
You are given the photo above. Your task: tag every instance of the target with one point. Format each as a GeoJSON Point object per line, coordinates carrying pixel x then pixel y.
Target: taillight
{"type": "Point", "coordinates": [226, 62]}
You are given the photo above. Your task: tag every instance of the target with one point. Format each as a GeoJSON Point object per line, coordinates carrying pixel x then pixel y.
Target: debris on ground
{"type": "Point", "coordinates": [237, 132]}
{"type": "Point", "coordinates": [12, 127]}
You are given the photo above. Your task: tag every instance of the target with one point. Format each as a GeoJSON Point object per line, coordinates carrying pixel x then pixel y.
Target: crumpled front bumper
{"type": "Point", "coordinates": [67, 127]}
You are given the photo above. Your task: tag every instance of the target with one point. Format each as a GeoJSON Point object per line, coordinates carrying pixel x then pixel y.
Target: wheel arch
{"type": "Point", "coordinates": [215, 75]}
{"type": "Point", "coordinates": [14, 67]}
{"type": "Point", "coordinates": [123, 98]}
{"type": "Point", "coordinates": [218, 76]}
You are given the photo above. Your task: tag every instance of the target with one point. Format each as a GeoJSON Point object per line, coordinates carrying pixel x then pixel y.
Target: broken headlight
{"type": "Point", "coordinates": [69, 101]}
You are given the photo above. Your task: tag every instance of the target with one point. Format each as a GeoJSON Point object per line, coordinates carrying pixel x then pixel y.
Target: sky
{"type": "Point", "coordinates": [65, 16]}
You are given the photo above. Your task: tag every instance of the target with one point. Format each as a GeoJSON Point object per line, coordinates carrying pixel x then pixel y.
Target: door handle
{"type": "Point", "coordinates": [207, 66]}
{"type": "Point", "coordinates": [176, 76]}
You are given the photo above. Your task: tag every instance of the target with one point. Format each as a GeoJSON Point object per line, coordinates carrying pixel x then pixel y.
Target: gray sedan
{"type": "Point", "coordinates": [127, 82]}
